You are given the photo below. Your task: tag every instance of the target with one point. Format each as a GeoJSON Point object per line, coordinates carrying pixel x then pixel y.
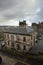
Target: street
{"type": "Point", "coordinates": [38, 47]}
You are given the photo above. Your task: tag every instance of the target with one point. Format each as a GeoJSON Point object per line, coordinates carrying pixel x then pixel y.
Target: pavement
{"type": "Point", "coordinates": [7, 60]}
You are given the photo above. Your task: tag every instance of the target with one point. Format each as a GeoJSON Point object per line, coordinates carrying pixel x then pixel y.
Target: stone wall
{"type": "Point", "coordinates": [29, 42]}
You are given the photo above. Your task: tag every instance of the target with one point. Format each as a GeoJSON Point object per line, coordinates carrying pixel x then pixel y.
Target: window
{"type": "Point", "coordinates": [24, 47]}
{"type": "Point", "coordinates": [12, 37]}
{"type": "Point", "coordinates": [8, 36]}
{"type": "Point", "coordinates": [12, 44]}
{"type": "Point", "coordinates": [8, 42]}
{"type": "Point", "coordinates": [24, 39]}
{"type": "Point", "coordinates": [18, 47]}
{"type": "Point", "coordinates": [17, 38]}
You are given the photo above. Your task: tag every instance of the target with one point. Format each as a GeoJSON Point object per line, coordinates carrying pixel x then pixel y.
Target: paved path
{"type": "Point", "coordinates": [10, 61]}
{"type": "Point", "coordinates": [7, 60]}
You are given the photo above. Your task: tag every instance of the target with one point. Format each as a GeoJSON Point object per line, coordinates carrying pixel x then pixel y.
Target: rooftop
{"type": "Point", "coordinates": [19, 30]}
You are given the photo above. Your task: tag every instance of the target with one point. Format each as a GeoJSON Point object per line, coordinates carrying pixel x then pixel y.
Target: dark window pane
{"type": "Point", "coordinates": [24, 47]}
{"type": "Point", "coordinates": [18, 47]}
{"type": "Point", "coordinates": [12, 44]}
{"type": "Point", "coordinates": [24, 39]}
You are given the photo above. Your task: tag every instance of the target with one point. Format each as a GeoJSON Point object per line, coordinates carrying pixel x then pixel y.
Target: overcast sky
{"type": "Point", "coordinates": [11, 11]}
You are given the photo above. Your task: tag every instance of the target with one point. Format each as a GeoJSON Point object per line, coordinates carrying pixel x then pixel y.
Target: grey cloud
{"type": "Point", "coordinates": [5, 4]}
{"type": "Point", "coordinates": [41, 12]}
{"type": "Point", "coordinates": [13, 9]}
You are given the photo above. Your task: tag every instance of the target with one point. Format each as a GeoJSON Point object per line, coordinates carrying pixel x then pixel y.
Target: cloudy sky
{"type": "Point", "coordinates": [11, 11]}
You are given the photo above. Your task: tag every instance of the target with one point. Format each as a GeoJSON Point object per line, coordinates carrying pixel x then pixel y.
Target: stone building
{"type": "Point", "coordinates": [20, 38]}
{"type": "Point", "coordinates": [35, 25]}
{"type": "Point", "coordinates": [38, 27]}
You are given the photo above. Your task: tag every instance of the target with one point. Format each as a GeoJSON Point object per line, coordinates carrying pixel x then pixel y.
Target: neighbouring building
{"type": "Point", "coordinates": [21, 38]}
{"type": "Point", "coordinates": [38, 27]}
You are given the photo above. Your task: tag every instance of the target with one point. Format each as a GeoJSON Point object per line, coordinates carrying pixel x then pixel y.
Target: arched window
{"type": "Point", "coordinates": [18, 47]}
{"type": "Point", "coordinates": [12, 44]}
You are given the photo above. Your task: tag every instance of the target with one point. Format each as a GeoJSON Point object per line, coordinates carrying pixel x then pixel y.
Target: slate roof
{"type": "Point", "coordinates": [19, 30]}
